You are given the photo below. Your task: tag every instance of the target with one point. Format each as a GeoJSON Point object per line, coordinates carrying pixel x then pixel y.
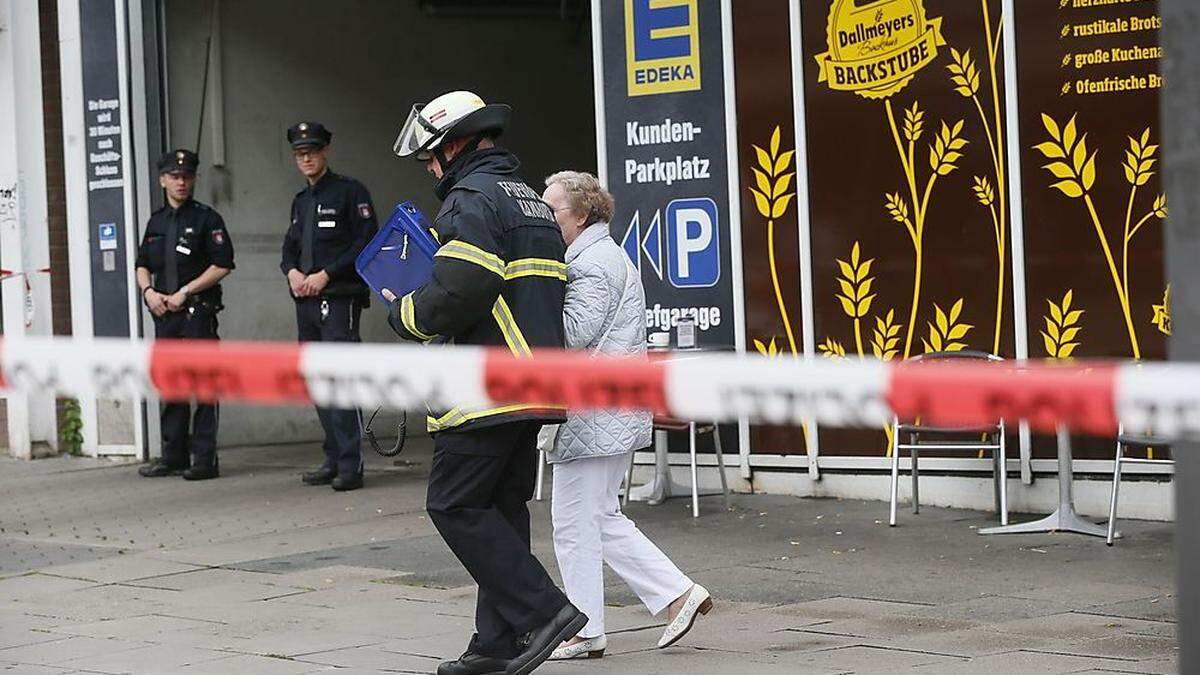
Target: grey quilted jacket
{"type": "Point", "coordinates": [604, 313]}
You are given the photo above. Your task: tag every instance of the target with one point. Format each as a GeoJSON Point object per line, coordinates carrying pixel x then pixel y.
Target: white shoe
{"type": "Point", "coordinates": [591, 648]}
{"type": "Point", "coordinates": [698, 602]}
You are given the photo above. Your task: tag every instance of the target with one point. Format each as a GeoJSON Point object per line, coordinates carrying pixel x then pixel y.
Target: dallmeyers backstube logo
{"type": "Point", "coordinates": [875, 49]}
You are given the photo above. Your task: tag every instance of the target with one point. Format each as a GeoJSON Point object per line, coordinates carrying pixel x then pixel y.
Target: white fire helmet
{"type": "Point", "coordinates": [458, 114]}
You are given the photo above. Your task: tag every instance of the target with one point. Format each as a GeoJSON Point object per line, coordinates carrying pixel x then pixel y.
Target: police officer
{"type": "Point", "coordinates": [333, 219]}
{"type": "Point", "coordinates": [185, 253]}
{"type": "Point", "coordinates": [498, 280]}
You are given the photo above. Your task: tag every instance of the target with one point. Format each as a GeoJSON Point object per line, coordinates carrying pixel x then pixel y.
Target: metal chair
{"type": "Point", "coordinates": [1123, 441]}
{"type": "Point", "coordinates": [993, 441]}
{"type": "Point", "coordinates": [694, 429]}
{"type": "Point", "coordinates": [716, 433]}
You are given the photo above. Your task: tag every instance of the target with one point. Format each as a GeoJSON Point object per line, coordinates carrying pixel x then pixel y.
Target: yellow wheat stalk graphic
{"type": "Point", "coordinates": [945, 332]}
{"type": "Point", "coordinates": [854, 282]}
{"type": "Point", "coordinates": [1139, 160]}
{"type": "Point", "coordinates": [831, 349]}
{"type": "Point", "coordinates": [768, 350]}
{"type": "Point", "coordinates": [987, 196]}
{"type": "Point", "coordinates": [856, 298]}
{"type": "Point", "coordinates": [944, 152]}
{"type": "Point", "coordinates": [911, 210]}
{"type": "Point", "coordinates": [885, 342]}
{"type": "Point", "coordinates": [886, 337]}
{"type": "Point", "coordinates": [1061, 336]}
{"type": "Point", "coordinates": [966, 78]}
{"type": "Point", "coordinates": [856, 293]}
{"type": "Point", "coordinates": [1075, 168]}
{"type": "Point", "coordinates": [963, 73]}
{"type": "Point", "coordinates": [1062, 327]}
{"type": "Point", "coordinates": [771, 198]}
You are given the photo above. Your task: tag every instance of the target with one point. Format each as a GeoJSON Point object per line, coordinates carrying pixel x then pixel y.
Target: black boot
{"type": "Point", "coordinates": [344, 483]}
{"type": "Point", "coordinates": [538, 644]}
{"type": "Point", "coordinates": [322, 476]}
{"type": "Point", "coordinates": [202, 473]}
{"type": "Point", "coordinates": [473, 664]}
{"type": "Point", "coordinates": [158, 469]}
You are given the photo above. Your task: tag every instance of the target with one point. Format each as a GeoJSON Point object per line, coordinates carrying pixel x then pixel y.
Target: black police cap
{"type": "Point", "coordinates": [309, 135]}
{"type": "Point", "coordinates": [179, 160]}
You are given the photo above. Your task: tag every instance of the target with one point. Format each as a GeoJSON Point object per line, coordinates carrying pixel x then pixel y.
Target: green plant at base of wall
{"type": "Point", "coordinates": [70, 429]}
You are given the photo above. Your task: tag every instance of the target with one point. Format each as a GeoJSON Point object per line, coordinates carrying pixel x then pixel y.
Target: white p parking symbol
{"type": "Point", "coordinates": [688, 244]}
{"type": "Point", "coordinates": [693, 244]}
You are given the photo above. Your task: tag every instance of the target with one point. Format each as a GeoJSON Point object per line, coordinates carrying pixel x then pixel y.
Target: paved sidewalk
{"type": "Point", "coordinates": [104, 572]}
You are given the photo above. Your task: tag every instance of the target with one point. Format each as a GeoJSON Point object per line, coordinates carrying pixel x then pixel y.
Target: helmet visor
{"type": "Point", "coordinates": [415, 136]}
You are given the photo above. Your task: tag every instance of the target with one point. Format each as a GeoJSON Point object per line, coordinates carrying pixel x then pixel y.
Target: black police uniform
{"type": "Point", "coordinates": [331, 222]}
{"type": "Point", "coordinates": [179, 244]}
{"type": "Point", "coordinates": [498, 279]}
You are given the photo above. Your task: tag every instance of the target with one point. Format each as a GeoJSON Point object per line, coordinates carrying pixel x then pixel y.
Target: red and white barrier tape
{"type": "Point", "coordinates": [1088, 397]}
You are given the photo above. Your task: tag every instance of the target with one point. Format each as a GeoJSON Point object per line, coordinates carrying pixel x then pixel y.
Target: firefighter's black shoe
{"type": "Point", "coordinates": [473, 664]}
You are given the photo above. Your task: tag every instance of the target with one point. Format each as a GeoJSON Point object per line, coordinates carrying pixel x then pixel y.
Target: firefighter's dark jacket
{"type": "Point", "coordinates": [498, 278]}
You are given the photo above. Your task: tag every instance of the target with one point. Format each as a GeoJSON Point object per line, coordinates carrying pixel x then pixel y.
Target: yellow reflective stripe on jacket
{"type": "Point", "coordinates": [408, 316]}
{"type": "Point", "coordinates": [458, 417]}
{"type": "Point", "coordinates": [536, 267]}
{"type": "Point", "coordinates": [509, 328]}
{"type": "Point", "coordinates": [461, 250]}
{"type": "Point", "coordinates": [451, 419]}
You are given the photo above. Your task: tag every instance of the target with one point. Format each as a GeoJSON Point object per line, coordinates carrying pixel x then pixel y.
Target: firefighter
{"type": "Point", "coordinates": [498, 280]}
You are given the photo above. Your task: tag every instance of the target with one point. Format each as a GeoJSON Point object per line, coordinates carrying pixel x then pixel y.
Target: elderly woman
{"type": "Point", "coordinates": [604, 313]}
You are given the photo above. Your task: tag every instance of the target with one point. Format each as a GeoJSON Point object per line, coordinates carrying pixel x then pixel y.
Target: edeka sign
{"type": "Point", "coordinates": [875, 50]}
{"type": "Point", "coordinates": [662, 46]}
{"type": "Point", "coordinates": [666, 159]}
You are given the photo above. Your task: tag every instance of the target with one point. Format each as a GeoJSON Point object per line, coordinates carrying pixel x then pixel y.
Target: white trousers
{"type": "Point", "coordinates": [590, 530]}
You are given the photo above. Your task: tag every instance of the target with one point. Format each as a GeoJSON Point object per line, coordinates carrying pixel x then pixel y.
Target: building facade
{"type": "Point", "coordinates": [801, 178]}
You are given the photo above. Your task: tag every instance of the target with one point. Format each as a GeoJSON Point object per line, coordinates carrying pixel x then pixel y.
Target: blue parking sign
{"type": "Point", "coordinates": [108, 236]}
{"type": "Point", "coordinates": [693, 243]}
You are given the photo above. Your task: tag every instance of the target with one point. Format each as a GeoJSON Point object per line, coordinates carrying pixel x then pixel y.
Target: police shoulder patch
{"type": "Point", "coordinates": [364, 210]}
{"type": "Point", "coordinates": [218, 237]}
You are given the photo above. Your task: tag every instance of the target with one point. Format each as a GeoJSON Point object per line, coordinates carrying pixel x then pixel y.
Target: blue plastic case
{"type": "Point", "coordinates": [400, 256]}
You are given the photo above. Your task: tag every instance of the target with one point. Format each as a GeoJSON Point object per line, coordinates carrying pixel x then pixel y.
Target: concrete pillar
{"type": "Point", "coordinates": [24, 225]}
{"type": "Point", "coordinates": [1181, 133]}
